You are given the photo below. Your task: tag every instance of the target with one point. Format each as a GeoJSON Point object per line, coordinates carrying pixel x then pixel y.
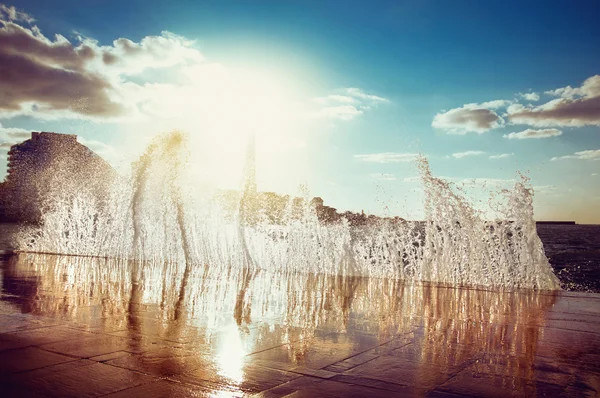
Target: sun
{"type": "Point", "coordinates": [230, 105]}
{"type": "Point", "coordinates": [249, 102]}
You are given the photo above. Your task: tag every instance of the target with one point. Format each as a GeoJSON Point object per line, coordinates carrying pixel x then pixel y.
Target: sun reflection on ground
{"type": "Point", "coordinates": [230, 355]}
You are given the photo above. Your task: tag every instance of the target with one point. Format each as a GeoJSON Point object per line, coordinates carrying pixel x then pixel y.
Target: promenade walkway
{"type": "Point", "coordinates": [88, 327]}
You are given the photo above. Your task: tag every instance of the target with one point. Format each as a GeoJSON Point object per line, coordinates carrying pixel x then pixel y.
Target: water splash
{"type": "Point", "coordinates": [151, 216]}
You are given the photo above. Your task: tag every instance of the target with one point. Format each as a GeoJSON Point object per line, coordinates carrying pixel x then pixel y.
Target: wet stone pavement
{"type": "Point", "coordinates": [86, 327]}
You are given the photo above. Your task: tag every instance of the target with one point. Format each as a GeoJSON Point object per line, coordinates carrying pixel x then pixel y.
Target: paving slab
{"type": "Point", "coordinates": [285, 334]}
{"type": "Point", "coordinates": [162, 389]}
{"type": "Point", "coordinates": [22, 359]}
{"type": "Point", "coordinates": [84, 381]}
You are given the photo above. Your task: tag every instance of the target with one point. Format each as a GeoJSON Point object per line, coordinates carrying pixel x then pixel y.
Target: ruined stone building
{"type": "Point", "coordinates": [46, 168]}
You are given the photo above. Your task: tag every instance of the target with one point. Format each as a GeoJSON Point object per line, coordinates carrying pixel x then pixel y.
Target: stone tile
{"type": "Point", "coordinates": [290, 387]}
{"type": "Point", "coordinates": [39, 336]}
{"type": "Point", "coordinates": [110, 357]}
{"type": "Point", "coordinates": [526, 367]}
{"type": "Point", "coordinates": [24, 378]}
{"type": "Point", "coordinates": [441, 394]}
{"type": "Point", "coordinates": [572, 325]}
{"type": "Point", "coordinates": [313, 387]}
{"type": "Point", "coordinates": [172, 334]}
{"type": "Point", "coordinates": [318, 353]}
{"type": "Point", "coordinates": [100, 325]}
{"type": "Point", "coordinates": [381, 385]}
{"type": "Point", "coordinates": [585, 383]}
{"type": "Point", "coordinates": [163, 362]}
{"type": "Point", "coordinates": [578, 303]}
{"type": "Point", "coordinates": [163, 388]}
{"type": "Point", "coordinates": [99, 344]}
{"type": "Point", "coordinates": [399, 371]}
{"type": "Point", "coordinates": [575, 317]}
{"type": "Point", "coordinates": [352, 362]}
{"type": "Point", "coordinates": [472, 383]}
{"type": "Point", "coordinates": [29, 358]}
{"type": "Point", "coordinates": [567, 346]}
{"type": "Point", "coordinates": [553, 372]}
{"type": "Point", "coordinates": [86, 381]}
{"type": "Point", "coordinates": [10, 343]}
{"type": "Point", "coordinates": [250, 378]}
{"type": "Point", "coordinates": [497, 375]}
{"type": "Point", "coordinates": [14, 322]}
{"type": "Point", "coordinates": [13, 391]}
{"type": "Point", "coordinates": [287, 366]}
{"type": "Point", "coordinates": [320, 373]}
{"type": "Point", "coordinates": [256, 339]}
{"type": "Point", "coordinates": [449, 357]}
{"type": "Point", "coordinates": [382, 349]}
{"type": "Point", "coordinates": [499, 351]}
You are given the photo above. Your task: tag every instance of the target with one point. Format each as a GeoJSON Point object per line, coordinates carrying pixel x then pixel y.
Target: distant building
{"type": "Point", "coordinates": [44, 167]}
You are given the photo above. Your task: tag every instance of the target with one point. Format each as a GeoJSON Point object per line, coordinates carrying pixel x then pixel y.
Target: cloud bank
{"type": "Point", "coordinates": [590, 154]}
{"type": "Point", "coordinates": [348, 104]}
{"type": "Point", "coordinates": [530, 96]}
{"type": "Point", "coordinates": [56, 77]}
{"type": "Point", "coordinates": [573, 107]}
{"type": "Point", "coordinates": [477, 118]}
{"type": "Point", "coordinates": [533, 134]}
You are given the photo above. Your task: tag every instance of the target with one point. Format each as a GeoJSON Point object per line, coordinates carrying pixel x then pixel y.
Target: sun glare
{"type": "Point", "coordinates": [242, 101]}
{"type": "Point", "coordinates": [230, 104]}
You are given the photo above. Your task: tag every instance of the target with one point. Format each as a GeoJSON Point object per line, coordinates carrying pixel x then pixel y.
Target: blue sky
{"type": "Point", "coordinates": [355, 88]}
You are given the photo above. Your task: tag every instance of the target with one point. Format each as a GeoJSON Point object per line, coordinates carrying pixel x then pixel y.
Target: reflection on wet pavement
{"type": "Point", "coordinates": [73, 326]}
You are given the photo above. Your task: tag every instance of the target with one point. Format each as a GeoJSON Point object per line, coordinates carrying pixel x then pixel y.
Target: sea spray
{"type": "Point", "coordinates": [154, 215]}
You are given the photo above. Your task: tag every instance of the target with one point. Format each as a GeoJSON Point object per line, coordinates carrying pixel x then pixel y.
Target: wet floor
{"type": "Point", "coordinates": [72, 326]}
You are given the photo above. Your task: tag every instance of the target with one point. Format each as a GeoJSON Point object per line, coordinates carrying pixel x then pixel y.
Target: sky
{"type": "Point", "coordinates": [341, 96]}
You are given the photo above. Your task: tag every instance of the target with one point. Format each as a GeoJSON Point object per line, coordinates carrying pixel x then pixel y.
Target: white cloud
{"type": "Point", "coordinates": [128, 58]}
{"type": "Point", "coordinates": [460, 155]}
{"type": "Point", "coordinates": [347, 105]}
{"type": "Point", "coordinates": [358, 93]}
{"type": "Point", "coordinates": [589, 88]}
{"type": "Point", "coordinates": [388, 157]}
{"type": "Point", "coordinates": [12, 135]}
{"type": "Point", "coordinates": [477, 118]}
{"type": "Point", "coordinates": [163, 79]}
{"type": "Point", "coordinates": [590, 154]}
{"type": "Point", "coordinates": [533, 134]}
{"type": "Point", "coordinates": [53, 79]}
{"type": "Point", "coordinates": [594, 174]}
{"type": "Point", "coordinates": [495, 104]}
{"type": "Point", "coordinates": [12, 14]}
{"type": "Point", "coordinates": [575, 107]}
{"type": "Point", "coordinates": [384, 176]}
{"type": "Point", "coordinates": [530, 96]}
{"type": "Point", "coordinates": [501, 156]}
